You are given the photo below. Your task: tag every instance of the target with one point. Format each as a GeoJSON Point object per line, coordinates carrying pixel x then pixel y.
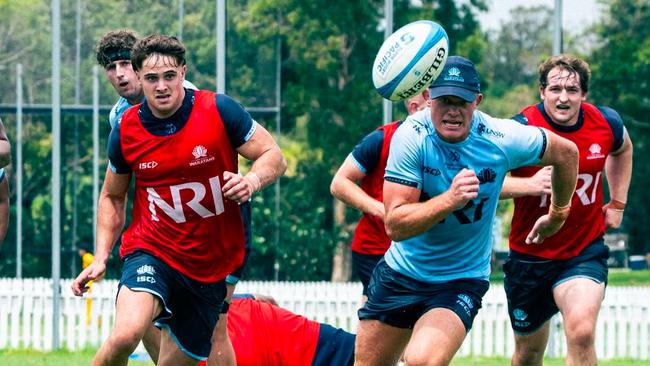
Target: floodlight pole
{"type": "Point", "coordinates": [56, 171]}
{"type": "Point", "coordinates": [19, 171]}
{"type": "Point", "coordinates": [388, 18]}
{"type": "Point", "coordinates": [221, 46]}
{"type": "Point", "coordinates": [95, 153]}
{"type": "Point", "coordinates": [181, 10]}
{"type": "Point", "coordinates": [557, 32]}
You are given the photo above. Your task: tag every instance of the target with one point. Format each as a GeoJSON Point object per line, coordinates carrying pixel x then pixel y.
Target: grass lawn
{"type": "Point", "coordinates": [61, 358]}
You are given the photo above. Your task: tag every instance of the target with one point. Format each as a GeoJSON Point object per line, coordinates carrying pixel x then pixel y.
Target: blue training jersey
{"type": "Point", "coordinates": [460, 245]}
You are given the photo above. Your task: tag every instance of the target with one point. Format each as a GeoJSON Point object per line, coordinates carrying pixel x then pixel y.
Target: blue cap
{"type": "Point", "coordinates": [458, 78]}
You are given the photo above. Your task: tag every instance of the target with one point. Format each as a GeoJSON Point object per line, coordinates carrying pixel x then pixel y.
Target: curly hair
{"type": "Point", "coordinates": [570, 63]}
{"type": "Point", "coordinates": [157, 44]}
{"type": "Point", "coordinates": [115, 45]}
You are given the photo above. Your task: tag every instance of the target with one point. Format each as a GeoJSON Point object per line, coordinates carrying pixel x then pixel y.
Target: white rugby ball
{"type": "Point", "coordinates": [410, 59]}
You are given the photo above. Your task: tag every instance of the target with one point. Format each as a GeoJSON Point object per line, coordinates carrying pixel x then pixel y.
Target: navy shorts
{"type": "Point", "coordinates": [363, 265]}
{"type": "Point", "coordinates": [400, 301]}
{"type": "Point", "coordinates": [190, 308]}
{"type": "Point", "coordinates": [335, 347]}
{"type": "Point", "coordinates": [529, 283]}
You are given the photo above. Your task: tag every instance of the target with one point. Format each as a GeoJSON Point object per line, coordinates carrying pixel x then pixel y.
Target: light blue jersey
{"type": "Point", "coordinates": [460, 245]}
{"type": "Point", "coordinates": [122, 105]}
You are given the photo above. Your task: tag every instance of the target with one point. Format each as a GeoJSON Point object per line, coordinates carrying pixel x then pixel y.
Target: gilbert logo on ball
{"type": "Point", "coordinates": [410, 59]}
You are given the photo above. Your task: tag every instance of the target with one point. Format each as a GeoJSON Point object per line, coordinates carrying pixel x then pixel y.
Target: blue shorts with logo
{"type": "Point", "coordinates": [363, 265]}
{"type": "Point", "coordinates": [398, 300]}
{"type": "Point", "coordinates": [529, 283]}
{"type": "Point", "coordinates": [190, 308]}
{"type": "Point", "coordinates": [335, 347]}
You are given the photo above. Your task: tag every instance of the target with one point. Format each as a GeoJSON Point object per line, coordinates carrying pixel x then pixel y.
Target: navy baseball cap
{"type": "Point", "coordinates": [458, 78]}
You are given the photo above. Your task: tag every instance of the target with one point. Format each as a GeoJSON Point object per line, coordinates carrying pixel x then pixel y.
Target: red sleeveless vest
{"type": "Point", "coordinates": [370, 235]}
{"type": "Point", "coordinates": [179, 212]}
{"type": "Point", "coordinates": [585, 223]}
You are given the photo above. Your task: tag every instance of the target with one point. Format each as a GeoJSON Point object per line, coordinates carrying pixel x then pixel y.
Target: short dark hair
{"type": "Point", "coordinates": [115, 45]}
{"type": "Point", "coordinates": [566, 62]}
{"type": "Point", "coordinates": [157, 44]}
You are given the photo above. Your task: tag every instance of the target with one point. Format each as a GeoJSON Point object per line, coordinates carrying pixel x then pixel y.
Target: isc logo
{"type": "Point", "coordinates": [175, 211]}
{"type": "Point", "coordinates": [148, 165]}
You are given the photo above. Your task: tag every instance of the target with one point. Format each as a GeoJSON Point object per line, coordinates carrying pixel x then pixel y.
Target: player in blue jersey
{"type": "Point", "coordinates": [113, 53]}
{"type": "Point", "coordinates": [442, 183]}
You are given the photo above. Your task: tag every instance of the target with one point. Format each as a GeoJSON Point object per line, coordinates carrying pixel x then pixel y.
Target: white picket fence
{"type": "Point", "coordinates": [26, 316]}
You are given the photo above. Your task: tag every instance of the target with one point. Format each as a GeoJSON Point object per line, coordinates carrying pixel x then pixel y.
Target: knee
{"type": "Point", "coordinates": [581, 335]}
{"type": "Point", "coordinates": [124, 341]}
{"type": "Point", "coordinates": [424, 359]}
{"type": "Point", "coordinates": [528, 354]}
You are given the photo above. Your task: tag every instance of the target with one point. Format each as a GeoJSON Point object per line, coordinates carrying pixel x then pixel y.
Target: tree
{"type": "Point", "coordinates": [621, 79]}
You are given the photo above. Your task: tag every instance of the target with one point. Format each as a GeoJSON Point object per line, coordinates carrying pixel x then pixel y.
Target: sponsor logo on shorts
{"type": "Point", "coordinates": [146, 273]}
{"type": "Point", "coordinates": [466, 303]}
{"type": "Point", "coordinates": [520, 317]}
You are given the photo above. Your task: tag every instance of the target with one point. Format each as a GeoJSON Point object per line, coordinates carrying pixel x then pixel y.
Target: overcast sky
{"type": "Point", "coordinates": [576, 13]}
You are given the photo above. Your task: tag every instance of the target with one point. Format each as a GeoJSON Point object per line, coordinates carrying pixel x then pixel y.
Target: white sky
{"type": "Point", "coordinates": [576, 13]}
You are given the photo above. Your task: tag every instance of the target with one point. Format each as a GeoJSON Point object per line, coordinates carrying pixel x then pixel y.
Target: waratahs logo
{"type": "Point", "coordinates": [146, 269]}
{"type": "Point", "coordinates": [453, 74]}
{"type": "Point", "coordinates": [519, 314]}
{"type": "Point", "coordinates": [486, 175]}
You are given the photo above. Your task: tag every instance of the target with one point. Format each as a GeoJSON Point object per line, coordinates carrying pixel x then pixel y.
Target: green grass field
{"type": "Point", "coordinates": [32, 358]}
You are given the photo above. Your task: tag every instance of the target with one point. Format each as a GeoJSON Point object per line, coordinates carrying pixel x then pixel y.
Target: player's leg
{"type": "Point", "coordinates": [529, 288]}
{"type": "Point", "coordinates": [437, 336]}
{"type": "Point", "coordinates": [151, 342]}
{"type": "Point", "coordinates": [579, 292]}
{"type": "Point", "coordinates": [447, 315]}
{"type": "Point", "coordinates": [222, 352]}
{"type": "Point", "coordinates": [378, 343]}
{"type": "Point", "coordinates": [134, 312]}
{"type": "Point", "coordinates": [171, 354]}
{"type": "Point", "coordinates": [579, 300]}
{"type": "Point", "coordinates": [530, 348]}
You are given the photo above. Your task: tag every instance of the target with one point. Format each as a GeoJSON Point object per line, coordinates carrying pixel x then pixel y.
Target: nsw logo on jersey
{"type": "Point", "coordinates": [196, 191]}
{"type": "Point", "coordinates": [201, 156]}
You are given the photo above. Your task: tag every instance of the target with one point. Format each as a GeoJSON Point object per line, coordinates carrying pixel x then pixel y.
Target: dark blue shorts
{"type": "Point", "coordinates": [363, 265]}
{"type": "Point", "coordinates": [190, 308]}
{"type": "Point", "coordinates": [400, 301]}
{"type": "Point", "coordinates": [529, 283]}
{"type": "Point", "coordinates": [335, 347]}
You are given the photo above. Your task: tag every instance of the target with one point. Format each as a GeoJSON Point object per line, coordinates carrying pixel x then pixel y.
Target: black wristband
{"type": "Point", "coordinates": [225, 305]}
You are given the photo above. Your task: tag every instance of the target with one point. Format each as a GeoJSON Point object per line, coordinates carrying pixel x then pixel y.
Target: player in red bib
{"type": "Point", "coordinates": [568, 271]}
{"type": "Point", "coordinates": [366, 164]}
{"type": "Point", "coordinates": [264, 334]}
{"type": "Point", "coordinates": [186, 233]}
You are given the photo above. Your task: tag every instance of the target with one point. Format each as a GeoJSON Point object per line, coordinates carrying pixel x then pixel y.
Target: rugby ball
{"type": "Point", "coordinates": [410, 59]}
